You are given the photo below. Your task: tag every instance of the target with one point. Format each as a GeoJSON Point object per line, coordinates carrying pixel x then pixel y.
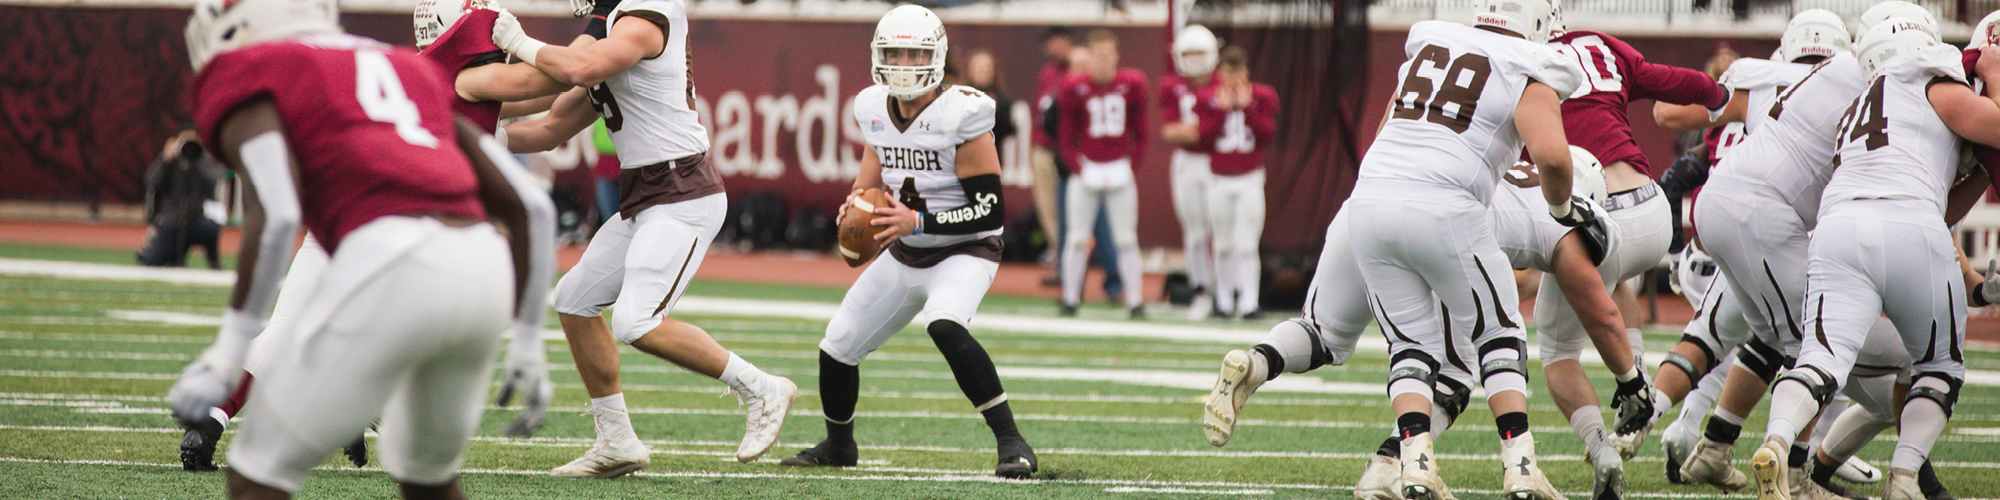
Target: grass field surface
{"type": "Point", "coordinates": [1113, 410]}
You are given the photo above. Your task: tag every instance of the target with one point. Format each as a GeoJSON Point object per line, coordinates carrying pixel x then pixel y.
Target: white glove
{"type": "Point", "coordinates": [527, 374]}
{"type": "Point", "coordinates": [207, 382]}
{"type": "Point", "coordinates": [508, 35]}
{"type": "Point", "coordinates": [1990, 289]}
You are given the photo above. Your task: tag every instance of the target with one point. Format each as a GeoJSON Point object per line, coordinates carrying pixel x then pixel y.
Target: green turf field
{"type": "Point", "coordinates": [84, 363]}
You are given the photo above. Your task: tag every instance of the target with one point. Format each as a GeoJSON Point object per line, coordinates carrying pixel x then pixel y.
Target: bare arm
{"type": "Point", "coordinates": [570, 114]}
{"type": "Point", "coordinates": [1682, 118]}
{"type": "Point", "coordinates": [519, 109]}
{"type": "Point", "coordinates": [506, 83]}
{"type": "Point", "coordinates": [1584, 289]}
{"type": "Point", "coordinates": [1968, 114]}
{"type": "Point", "coordinates": [634, 37]}
{"type": "Point", "coordinates": [1538, 118]}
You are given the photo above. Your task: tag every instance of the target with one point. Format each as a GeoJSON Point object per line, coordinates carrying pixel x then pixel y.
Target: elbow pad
{"type": "Point", "coordinates": [982, 212]}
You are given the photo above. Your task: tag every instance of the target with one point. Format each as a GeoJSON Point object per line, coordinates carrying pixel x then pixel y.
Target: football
{"type": "Point", "coordinates": [857, 236]}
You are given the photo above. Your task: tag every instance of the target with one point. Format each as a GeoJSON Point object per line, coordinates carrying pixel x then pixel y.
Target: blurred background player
{"type": "Point", "coordinates": [671, 206]}
{"type": "Point", "coordinates": [1102, 133]}
{"type": "Point", "coordinates": [1195, 53]}
{"type": "Point", "coordinates": [943, 226]}
{"type": "Point", "coordinates": [1469, 99]}
{"type": "Point", "coordinates": [179, 187]}
{"type": "Point", "coordinates": [1234, 117]}
{"type": "Point", "coordinates": [402, 327]}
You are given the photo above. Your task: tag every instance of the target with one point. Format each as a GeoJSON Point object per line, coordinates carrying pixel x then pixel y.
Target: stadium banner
{"type": "Point", "coordinates": [91, 93]}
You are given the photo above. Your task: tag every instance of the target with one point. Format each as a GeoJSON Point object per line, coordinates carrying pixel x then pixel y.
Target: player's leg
{"type": "Point", "coordinates": [955, 288]}
{"type": "Point", "coordinates": [1047, 179]}
{"type": "Point", "coordinates": [1190, 185]}
{"type": "Point", "coordinates": [1690, 373]}
{"type": "Point", "coordinates": [1843, 299]}
{"type": "Point", "coordinates": [580, 298]}
{"type": "Point", "coordinates": [434, 410]}
{"type": "Point", "coordinates": [198, 444]}
{"type": "Point", "coordinates": [1387, 254]}
{"type": "Point", "coordinates": [1477, 291]}
{"type": "Point", "coordinates": [1080, 207]}
{"type": "Point", "coordinates": [1873, 411]}
{"type": "Point", "coordinates": [881, 302]}
{"type": "Point", "coordinates": [668, 244]}
{"type": "Point", "coordinates": [1222, 208]}
{"type": "Point", "coordinates": [1121, 205]}
{"type": "Point", "coordinates": [1925, 297]}
{"type": "Point", "coordinates": [1563, 334]}
{"type": "Point", "coordinates": [1247, 227]}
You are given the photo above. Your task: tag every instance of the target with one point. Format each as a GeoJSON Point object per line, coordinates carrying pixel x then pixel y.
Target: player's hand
{"type": "Point", "coordinates": [1580, 212]}
{"type": "Point", "coordinates": [900, 220]}
{"type": "Point", "coordinates": [1635, 405]}
{"type": "Point", "coordinates": [1990, 290]}
{"type": "Point", "coordinates": [1988, 67]}
{"type": "Point", "coordinates": [527, 375]}
{"type": "Point", "coordinates": [204, 384]}
{"type": "Point", "coordinates": [840, 216]}
{"type": "Point", "coordinates": [508, 36]}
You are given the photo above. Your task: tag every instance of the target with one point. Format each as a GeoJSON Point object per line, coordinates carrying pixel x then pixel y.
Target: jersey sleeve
{"type": "Point", "coordinates": [234, 79]}
{"type": "Point", "coordinates": [1136, 114]}
{"type": "Point", "coordinates": [1748, 73]}
{"type": "Point", "coordinates": [979, 115]}
{"type": "Point", "coordinates": [1262, 115]}
{"type": "Point", "coordinates": [1943, 61]}
{"type": "Point", "coordinates": [1555, 70]}
{"type": "Point", "coordinates": [1660, 82]}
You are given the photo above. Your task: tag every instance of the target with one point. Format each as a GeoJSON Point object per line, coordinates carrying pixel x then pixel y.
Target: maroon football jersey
{"type": "Point", "coordinates": [1616, 75]}
{"type": "Point", "coordinates": [468, 44]}
{"type": "Point", "coordinates": [1177, 101]}
{"type": "Point", "coordinates": [1233, 137]}
{"type": "Point", "coordinates": [1103, 122]}
{"type": "Point", "coordinates": [1052, 77]}
{"type": "Point", "coordinates": [370, 126]}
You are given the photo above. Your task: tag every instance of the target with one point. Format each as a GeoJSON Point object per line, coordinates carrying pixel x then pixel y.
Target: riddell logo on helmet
{"type": "Point", "coordinates": [1486, 19]}
{"type": "Point", "coordinates": [1816, 51]}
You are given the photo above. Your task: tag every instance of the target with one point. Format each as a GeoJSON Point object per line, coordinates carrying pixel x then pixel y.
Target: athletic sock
{"type": "Point", "coordinates": [1274, 363]}
{"type": "Point", "coordinates": [1927, 481]}
{"type": "Point", "coordinates": [1724, 427]}
{"type": "Point", "coordinates": [1413, 423]}
{"type": "Point", "coordinates": [1391, 447]}
{"type": "Point", "coordinates": [1000, 418]}
{"type": "Point", "coordinates": [732, 373]}
{"type": "Point", "coordinates": [237, 398]}
{"type": "Point", "coordinates": [1923, 420]}
{"type": "Point", "coordinates": [1588, 423]}
{"type": "Point", "coordinates": [839, 387]}
{"type": "Point", "coordinates": [1514, 424]}
{"type": "Point", "coordinates": [1798, 456]}
{"type": "Point", "coordinates": [1822, 472]}
{"type": "Point", "coordinates": [612, 420]}
{"type": "Point", "coordinates": [975, 373]}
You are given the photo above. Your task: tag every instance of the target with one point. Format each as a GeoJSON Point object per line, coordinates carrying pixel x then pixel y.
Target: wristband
{"type": "Point", "coordinates": [1978, 298]}
{"type": "Point", "coordinates": [1629, 375]}
{"type": "Point", "coordinates": [1560, 210]}
{"type": "Point", "coordinates": [529, 48]}
{"type": "Point", "coordinates": [919, 227]}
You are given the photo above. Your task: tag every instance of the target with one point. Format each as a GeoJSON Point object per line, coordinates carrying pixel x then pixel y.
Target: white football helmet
{"type": "Point", "coordinates": [1814, 32]}
{"type": "Point", "coordinates": [1889, 39]}
{"type": "Point", "coordinates": [434, 17]}
{"type": "Point", "coordinates": [1532, 19]}
{"type": "Point", "coordinates": [915, 35]}
{"type": "Point", "coordinates": [1987, 32]}
{"type": "Point", "coordinates": [1894, 9]}
{"type": "Point", "coordinates": [219, 26]}
{"type": "Point", "coordinates": [1587, 176]}
{"type": "Point", "coordinates": [1195, 51]}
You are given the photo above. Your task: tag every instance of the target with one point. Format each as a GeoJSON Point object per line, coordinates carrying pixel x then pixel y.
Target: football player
{"type": "Point", "coordinates": [1469, 99]}
{"type": "Point", "coordinates": [930, 145]}
{"type": "Point", "coordinates": [1234, 117]}
{"type": "Point", "coordinates": [672, 204]}
{"type": "Point", "coordinates": [1195, 56]}
{"type": "Point", "coordinates": [1102, 133]}
{"type": "Point", "coordinates": [1885, 248]}
{"type": "Point", "coordinates": [354, 140]}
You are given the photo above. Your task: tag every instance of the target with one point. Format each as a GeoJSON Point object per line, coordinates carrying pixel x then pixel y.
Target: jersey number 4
{"type": "Point", "coordinates": [1423, 99]}
{"type": "Point", "coordinates": [381, 95]}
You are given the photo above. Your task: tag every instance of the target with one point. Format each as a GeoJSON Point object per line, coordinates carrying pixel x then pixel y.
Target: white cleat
{"type": "Point", "coordinates": [1628, 444]}
{"type": "Point", "coordinates": [1768, 464]}
{"type": "Point", "coordinates": [608, 460]}
{"type": "Point", "coordinates": [1813, 491]}
{"type": "Point", "coordinates": [1676, 443]}
{"type": "Point", "coordinates": [1420, 472]}
{"type": "Point", "coordinates": [1856, 470]}
{"type": "Point", "coordinates": [1200, 307]}
{"type": "Point", "coordinates": [767, 398]}
{"type": "Point", "coordinates": [1520, 477]}
{"type": "Point", "coordinates": [1710, 464]}
{"type": "Point", "coordinates": [1241, 374]}
{"type": "Point", "coordinates": [1902, 486]}
{"type": "Point", "coordinates": [1382, 480]}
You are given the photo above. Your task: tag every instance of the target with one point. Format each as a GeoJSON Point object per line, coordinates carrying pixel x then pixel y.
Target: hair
{"type": "Point", "coordinates": [1101, 35]}
{"type": "Point", "coordinates": [1234, 57]}
{"type": "Point", "coordinates": [999, 78]}
{"type": "Point", "coordinates": [1058, 31]}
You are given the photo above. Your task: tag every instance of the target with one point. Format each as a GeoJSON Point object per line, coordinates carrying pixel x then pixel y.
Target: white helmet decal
{"type": "Point", "coordinates": [908, 52]}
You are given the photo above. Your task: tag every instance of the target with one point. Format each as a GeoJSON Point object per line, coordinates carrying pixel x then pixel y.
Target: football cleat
{"type": "Point", "coordinates": [1520, 477]}
{"type": "Point", "coordinates": [1199, 308]}
{"type": "Point", "coordinates": [1138, 312]}
{"type": "Point", "coordinates": [1066, 310]}
{"type": "Point", "coordinates": [357, 451]}
{"type": "Point", "coordinates": [1856, 470]}
{"type": "Point", "coordinates": [1710, 464]}
{"type": "Point", "coordinates": [608, 460]}
{"type": "Point", "coordinates": [1927, 481]}
{"type": "Point", "coordinates": [1902, 486]}
{"type": "Point", "coordinates": [1420, 473]}
{"type": "Point", "coordinates": [1768, 464]}
{"type": "Point", "coordinates": [198, 445]}
{"type": "Point", "coordinates": [768, 398]}
{"type": "Point", "coordinates": [1017, 459]}
{"type": "Point", "coordinates": [1676, 445]}
{"type": "Point", "coordinates": [1380, 480]}
{"type": "Point", "coordinates": [1242, 372]}
{"type": "Point", "coordinates": [825, 454]}
{"type": "Point", "coordinates": [1607, 480]}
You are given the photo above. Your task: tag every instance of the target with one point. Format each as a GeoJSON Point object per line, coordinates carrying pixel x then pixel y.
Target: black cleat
{"type": "Point", "coordinates": [357, 451]}
{"type": "Point", "coordinates": [1138, 312]}
{"type": "Point", "coordinates": [824, 454]}
{"type": "Point", "coordinates": [1017, 459]}
{"type": "Point", "coordinates": [198, 446]}
{"type": "Point", "coordinates": [1066, 310]}
{"type": "Point", "coordinates": [1253, 315]}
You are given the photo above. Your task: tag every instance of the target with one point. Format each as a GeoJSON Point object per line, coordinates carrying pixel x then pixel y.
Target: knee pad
{"type": "Point", "coordinates": [1493, 363]}
{"type": "Point", "coordinates": [1818, 383]}
{"type": "Point", "coordinates": [1761, 360]}
{"type": "Point", "coordinates": [1946, 396]}
{"type": "Point", "coordinates": [1686, 365]}
{"type": "Point", "coordinates": [1452, 395]}
{"type": "Point", "coordinates": [1423, 370]}
{"type": "Point", "coordinates": [1322, 355]}
{"type": "Point", "coordinates": [1708, 349]}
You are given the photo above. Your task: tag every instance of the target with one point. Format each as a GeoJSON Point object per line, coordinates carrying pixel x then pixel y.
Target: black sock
{"type": "Point", "coordinates": [1001, 419]}
{"type": "Point", "coordinates": [1928, 482]}
{"type": "Point", "coordinates": [1511, 424]}
{"type": "Point", "coordinates": [1822, 472]}
{"type": "Point", "coordinates": [1391, 447]}
{"type": "Point", "coordinates": [1413, 423]}
{"type": "Point", "coordinates": [839, 388]}
{"type": "Point", "coordinates": [1273, 363]}
{"type": "Point", "coordinates": [969, 362]}
{"type": "Point", "coordinates": [1798, 457]}
{"type": "Point", "coordinates": [1722, 431]}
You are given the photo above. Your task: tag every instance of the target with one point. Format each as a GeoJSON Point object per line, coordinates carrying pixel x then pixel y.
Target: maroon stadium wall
{"type": "Point", "coordinates": [90, 94]}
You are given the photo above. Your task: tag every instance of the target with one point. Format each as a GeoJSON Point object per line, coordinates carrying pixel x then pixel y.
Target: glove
{"type": "Point", "coordinates": [1576, 213]}
{"type": "Point", "coordinates": [528, 375]}
{"type": "Point", "coordinates": [1990, 294]}
{"type": "Point", "coordinates": [1635, 405]}
{"type": "Point", "coordinates": [207, 382]}
{"type": "Point", "coordinates": [508, 35]}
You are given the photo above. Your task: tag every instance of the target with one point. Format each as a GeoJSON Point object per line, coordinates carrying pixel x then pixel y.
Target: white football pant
{"type": "Point", "coordinates": [642, 265]}
{"type": "Point", "coordinates": [1190, 184]}
{"type": "Point", "coordinates": [1236, 212]}
{"type": "Point", "coordinates": [1108, 187]}
{"type": "Point", "coordinates": [889, 294]}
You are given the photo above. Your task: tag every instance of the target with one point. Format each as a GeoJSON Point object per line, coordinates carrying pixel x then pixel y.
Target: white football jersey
{"type": "Point", "coordinates": [919, 157]}
{"type": "Point", "coordinates": [1791, 155]}
{"type": "Point", "coordinates": [1521, 222]}
{"type": "Point", "coordinates": [1452, 121]}
{"type": "Point", "coordinates": [649, 108]}
{"type": "Point", "coordinates": [1893, 145]}
{"type": "Point", "coordinates": [1763, 80]}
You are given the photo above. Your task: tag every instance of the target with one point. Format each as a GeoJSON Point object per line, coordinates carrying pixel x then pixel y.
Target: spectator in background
{"type": "Point", "coordinates": [1102, 131]}
{"type": "Point", "coordinates": [1194, 57]}
{"type": "Point", "coordinates": [983, 72]}
{"type": "Point", "coordinates": [1056, 44]}
{"type": "Point", "coordinates": [1234, 118]}
{"type": "Point", "coordinates": [178, 186]}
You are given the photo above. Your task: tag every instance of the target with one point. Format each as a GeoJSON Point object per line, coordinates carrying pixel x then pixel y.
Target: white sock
{"type": "Point", "coordinates": [1792, 406]}
{"type": "Point", "coordinates": [1588, 422]}
{"type": "Point", "coordinates": [612, 420]}
{"type": "Point", "coordinates": [1923, 421]}
{"type": "Point", "coordinates": [1726, 416]}
{"type": "Point", "coordinates": [732, 374]}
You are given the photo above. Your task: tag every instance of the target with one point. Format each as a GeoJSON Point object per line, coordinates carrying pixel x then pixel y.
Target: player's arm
{"type": "Point", "coordinates": [570, 114]}
{"type": "Point", "coordinates": [1583, 287]}
{"type": "Point", "coordinates": [506, 83]}
{"type": "Point", "coordinates": [1070, 118]}
{"type": "Point", "coordinates": [514, 199]}
{"type": "Point", "coordinates": [1538, 118]}
{"type": "Point", "coordinates": [979, 176]}
{"type": "Point", "coordinates": [1262, 114]}
{"type": "Point", "coordinates": [1685, 117]}
{"type": "Point", "coordinates": [1136, 119]}
{"type": "Point", "coordinates": [637, 35]}
{"type": "Point", "coordinates": [253, 137]}
{"type": "Point", "coordinates": [1672, 84]}
{"type": "Point", "coordinates": [1972, 116]}
{"type": "Point", "coordinates": [519, 109]}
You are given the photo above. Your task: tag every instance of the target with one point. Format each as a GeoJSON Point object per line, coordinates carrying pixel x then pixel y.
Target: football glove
{"type": "Point", "coordinates": [1576, 213]}
{"type": "Point", "coordinates": [508, 36]}
{"type": "Point", "coordinates": [1635, 405]}
{"type": "Point", "coordinates": [207, 382]}
{"type": "Point", "coordinates": [528, 376]}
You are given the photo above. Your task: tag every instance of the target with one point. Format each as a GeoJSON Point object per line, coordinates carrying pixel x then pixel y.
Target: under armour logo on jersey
{"type": "Point", "coordinates": [925, 126]}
